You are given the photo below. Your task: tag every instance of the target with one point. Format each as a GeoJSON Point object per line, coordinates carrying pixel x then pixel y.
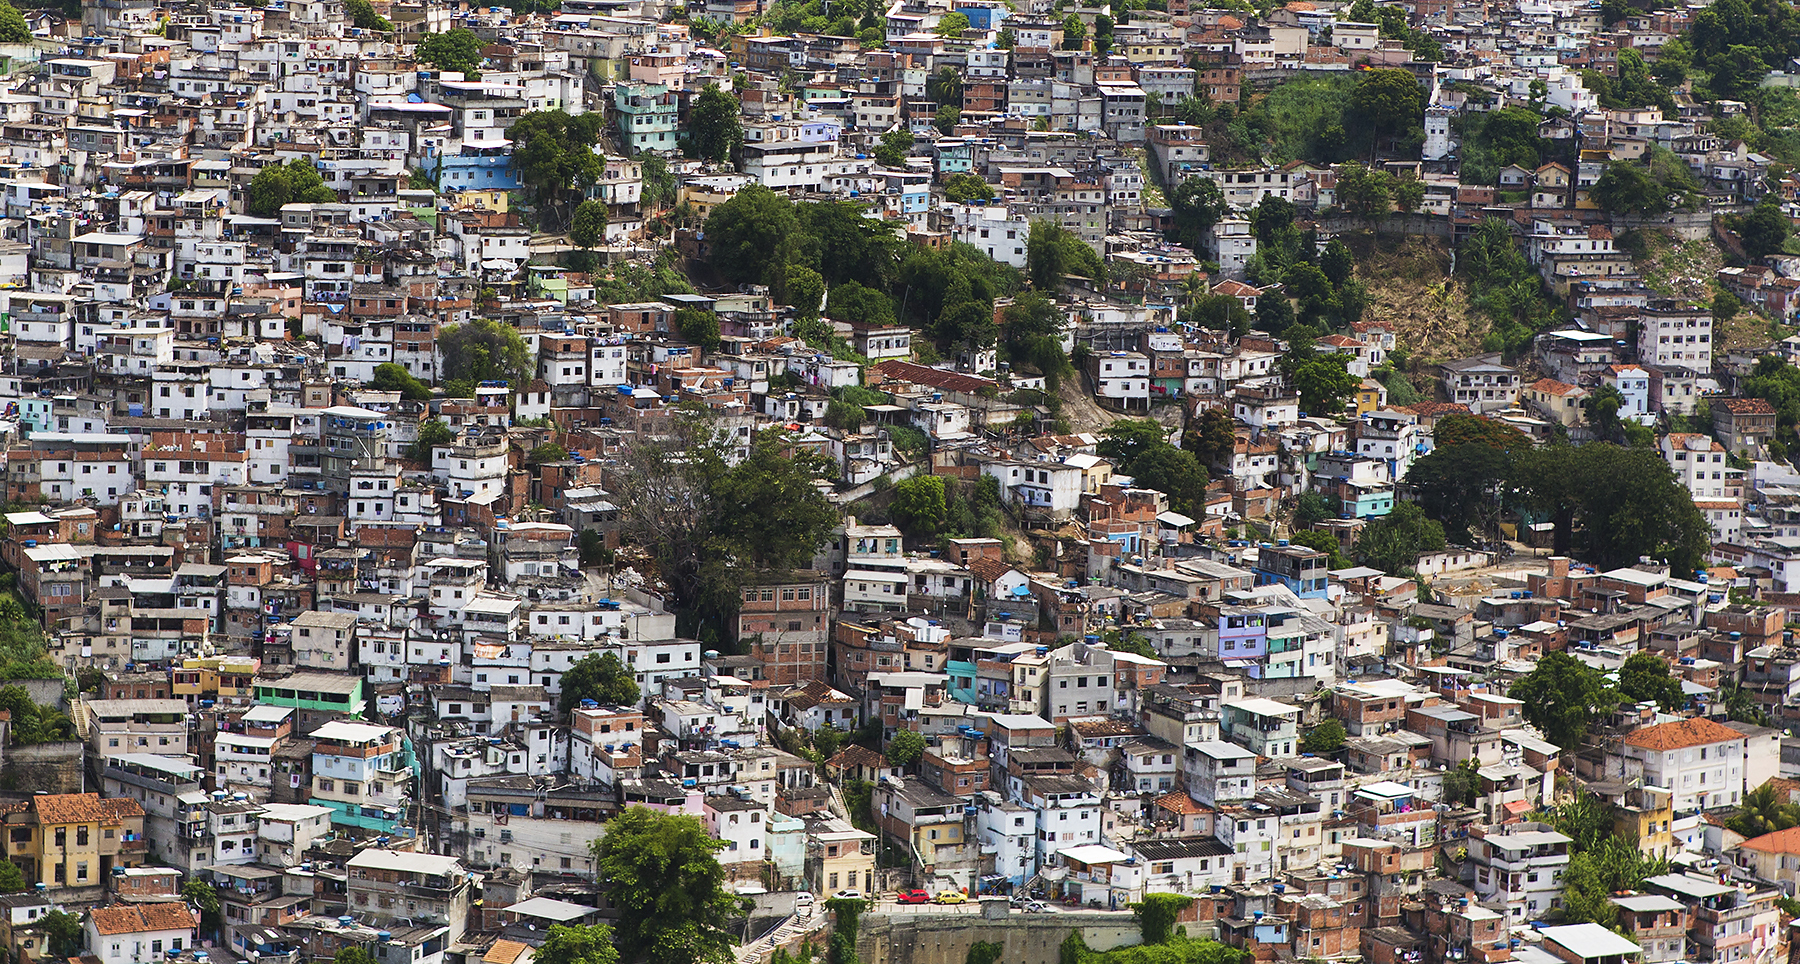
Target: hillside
{"type": "Point", "coordinates": [1408, 281]}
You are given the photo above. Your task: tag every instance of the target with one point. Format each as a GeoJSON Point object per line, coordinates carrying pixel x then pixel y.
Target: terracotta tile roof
{"type": "Point", "coordinates": [55, 808]}
{"type": "Point", "coordinates": [1551, 386]}
{"type": "Point", "coordinates": [1681, 734]}
{"type": "Point", "coordinates": [1745, 406]}
{"type": "Point", "coordinates": [988, 570]}
{"type": "Point", "coordinates": [140, 918]}
{"type": "Point", "coordinates": [856, 755]}
{"type": "Point", "coordinates": [932, 377]}
{"type": "Point", "coordinates": [1179, 803]}
{"type": "Point", "coordinates": [504, 952]}
{"type": "Point", "coordinates": [1428, 409]}
{"type": "Point", "coordinates": [1780, 842]}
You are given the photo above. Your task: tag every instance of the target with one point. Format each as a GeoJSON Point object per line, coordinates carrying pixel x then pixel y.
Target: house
{"type": "Point", "coordinates": [1700, 761]}
{"type": "Point", "coordinates": [1743, 425]}
{"type": "Point", "coordinates": [1483, 383]}
{"type": "Point", "coordinates": [1556, 401]}
{"type": "Point", "coordinates": [128, 933]}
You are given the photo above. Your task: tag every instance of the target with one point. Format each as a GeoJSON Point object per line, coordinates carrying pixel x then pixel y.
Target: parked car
{"type": "Point", "coordinates": [950, 897]}
{"type": "Point", "coordinates": [914, 896]}
{"type": "Point", "coordinates": [847, 895]}
{"type": "Point", "coordinates": [804, 899]}
{"type": "Point", "coordinates": [1036, 907]}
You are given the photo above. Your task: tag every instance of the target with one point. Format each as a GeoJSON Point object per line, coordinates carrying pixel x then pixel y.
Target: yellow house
{"type": "Point", "coordinates": [494, 201]}
{"type": "Point", "coordinates": [215, 676]}
{"type": "Point", "coordinates": [75, 839]}
{"type": "Point", "coordinates": [1371, 396]}
{"type": "Point", "coordinates": [841, 858]}
{"type": "Point", "coordinates": [1648, 815]}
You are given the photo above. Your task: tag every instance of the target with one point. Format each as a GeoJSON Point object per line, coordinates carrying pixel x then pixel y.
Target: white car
{"type": "Point", "coordinates": [1036, 907]}
{"type": "Point", "coordinates": [803, 899]}
{"type": "Point", "coordinates": [847, 895]}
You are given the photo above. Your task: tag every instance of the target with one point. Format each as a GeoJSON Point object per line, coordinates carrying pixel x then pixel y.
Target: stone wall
{"type": "Point", "coordinates": [929, 936]}
{"type": "Point", "coordinates": [45, 767]}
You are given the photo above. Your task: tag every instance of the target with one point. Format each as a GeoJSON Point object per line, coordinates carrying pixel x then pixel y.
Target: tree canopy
{"type": "Point", "coordinates": [484, 350]}
{"type": "Point", "coordinates": [553, 152]}
{"type": "Point", "coordinates": [1562, 696]}
{"type": "Point", "coordinates": [457, 49]}
{"type": "Point", "coordinates": [296, 182]}
{"type": "Point", "coordinates": [600, 677]}
{"type": "Point", "coordinates": [1644, 676]}
{"type": "Point", "coordinates": [668, 889]}
{"type": "Point", "coordinates": [714, 127]}
{"type": "Point", "coordinates": [706, 520]}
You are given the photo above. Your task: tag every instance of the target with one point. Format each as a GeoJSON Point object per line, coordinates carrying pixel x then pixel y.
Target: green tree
{"type": "Point", "coordinates": [1460, 486]}
{"type": "Point", "coordinates": [361, 13]}
{"type": "Point", "coordinates": [1645, 677]}
{"type": "Point", "coordinates": [390, 377]}
{"type": "Point", "coordinates": [1395, 541]}
{"type": "Point", "coordinates": [1195, 205]}
{"type": "Point", "coordinates": [564, 944]}
{"type": "Point", "coordinates": [1409, 193]}
{"type": "Point", "coordinates": [458, 50]}
{"type": "Point", "coordinates": [714, 127]}
{"type": "Point", "coordinates": [1764, 810]}
{"type": "Point", "coordinates": [484, 350]}
{"type": "Point", "coordinates": [698, 326]}
{"type": "Point", "coordinates": [352, 955]}
{"type": "Point", "coordinates": [962, 188]}
{"type": "Point", "coordinates": [1324, 542]}
{"type": "Point", "coordinates": [805, 291]}
{"type": "Point", "coordinates": [553, 152]}
{"type": "Point", "coordinates": [1053, 252]}
{"type": "Point", "coordinates": [905, 748]}
{"type": "Point", "coordinates": [1628, 188]}
{"type": "Point", "coordinates": [918, 507]}
{"type": "Point", "coordinates": [706, 516]}
{"type": "Point", "coordinates": [894, 147]}
{"type": "Point", "coordinates": [946, 119]}
{"type": "Point", "coordinates": [945, 86]}
{"type": "Point", "coordinates": [1211, 435]}
{"type": "Point", "coordinates": [1323, 382]}
{"type": "Point", "coordinates": [668, 889]}
{"type": "Point", "coordinates": [296, 182]}
{"type": "Point", "coordinates": [1337, 263]}
{"type": "Point", "coordinates": [1562, 696]}
{"type": "Point", "coordinates": [1387, 102]}
{"type": "Point", "coordinates": [1175, 473]}
{"type": "Point", "coordinates": [747, 233]}
{"type": "Point", "coordinates": [1764, 230]}
{"type": "Point", "coordinates": [1365, 193]}
{"type": "Point", "coordinates": [952, 24]}
{"type": "Point", "coordinates": [659, 182]}
{"type": "Point", "coordinates": [1612, 505]}
{"type": "Point", "coordinates": [1128, 438]}
{"type": "Point", "coordinates": [12, 879]}
{"type": "Point", "coordinates": [1461, 428]}
{"type": "Point", "coordinates": [1325, 738]}
{"type": "Point", "coordinates": [64, 932]}
{"type": "Point", "coordinates": [204, 897]}
{"type": "Point", "coordinates": [13, 28]}
{"type": "Point", "coordinates": [853, 303]}
{"type": "Point", "coordinates": [588, 225]}
{"type": "Point", "coordinates": [1462, 783]}
{"type": "Point", "coordinates": [1156, 915]}
{"type": "Point", "coordinates": [431, 435]}
{"type": "Point", "coordinates": [984, 952]}
{"type": "Point", "coordinates": [600, 677]}
{"type": "Point", "coordinates": [1074, 33]}
{"type": "Point", "coordinates": [1006, 38]}
{"type": "Point", "coordinates": [546, 452]}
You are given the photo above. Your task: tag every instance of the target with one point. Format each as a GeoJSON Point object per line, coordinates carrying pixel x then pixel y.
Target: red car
{"type": "Point", "coordinates": [913, 897]}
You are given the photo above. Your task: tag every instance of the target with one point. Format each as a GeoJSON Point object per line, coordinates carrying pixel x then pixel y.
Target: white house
{"type": "Point", "coordinates": [125, 933]}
